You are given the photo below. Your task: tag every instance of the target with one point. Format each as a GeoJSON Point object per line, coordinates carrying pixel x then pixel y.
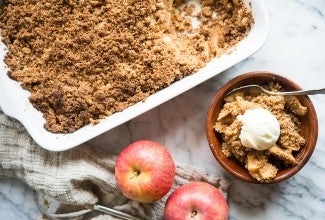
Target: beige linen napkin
{"type": "Point", "coordinates": [80, 176]}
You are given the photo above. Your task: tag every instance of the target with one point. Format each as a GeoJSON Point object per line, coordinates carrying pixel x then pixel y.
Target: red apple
{"type": "Point", "coordinates": [196, 200]}
{"type": "Point", "coordinates": [144, 171]}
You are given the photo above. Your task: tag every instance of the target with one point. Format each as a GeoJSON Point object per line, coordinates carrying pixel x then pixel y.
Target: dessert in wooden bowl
{"type": "Point", "coordinates": [261, 138]}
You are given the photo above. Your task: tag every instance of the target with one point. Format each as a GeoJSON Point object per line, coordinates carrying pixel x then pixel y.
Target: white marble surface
{"type": "Point", "coordinates": [296, 49]}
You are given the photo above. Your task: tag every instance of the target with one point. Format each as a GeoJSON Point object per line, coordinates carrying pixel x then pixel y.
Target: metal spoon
{"type": "Point", "coordinates": [255, 89]}
{"type": "Point", "coordinates": [104, 209]}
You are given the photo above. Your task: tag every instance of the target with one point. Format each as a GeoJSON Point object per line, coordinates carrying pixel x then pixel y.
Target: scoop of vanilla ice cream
{"type": "Point", "coordinates": [260, 129]}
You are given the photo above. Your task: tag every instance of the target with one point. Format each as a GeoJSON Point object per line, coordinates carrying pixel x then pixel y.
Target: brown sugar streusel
{"type": "Point", "coordinates": [85, 60]}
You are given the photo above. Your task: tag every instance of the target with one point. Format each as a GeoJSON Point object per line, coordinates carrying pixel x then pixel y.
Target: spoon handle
{"type": "Point", "coordinates": [304, 92]}
{"type": "Point", "coordinates": [115, 213]}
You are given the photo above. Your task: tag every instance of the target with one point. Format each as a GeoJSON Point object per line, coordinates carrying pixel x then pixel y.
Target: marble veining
{"type": "Point", "coordinates": [296, 49]}
{"type": "Point", "coordinates": [16, 201]}
{"type": "Point", "coordinates": [298, 198]}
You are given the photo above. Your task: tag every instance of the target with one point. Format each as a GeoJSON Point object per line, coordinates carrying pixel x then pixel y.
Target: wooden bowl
{"type": "Point", "coordinates": [309, 129]}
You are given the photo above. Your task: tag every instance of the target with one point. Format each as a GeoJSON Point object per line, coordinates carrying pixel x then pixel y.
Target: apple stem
{"type": "Point", "coordinates": [135, 174]}
{"type": "Point", "coordinates": [193, 213]}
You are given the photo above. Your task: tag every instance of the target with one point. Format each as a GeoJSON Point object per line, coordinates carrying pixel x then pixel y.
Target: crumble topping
{"type": "Point", "coordinates": [85, 60]}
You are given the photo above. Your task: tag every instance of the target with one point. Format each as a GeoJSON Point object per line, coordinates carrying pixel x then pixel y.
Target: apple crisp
{"type": "Point", "coordinates": [85, 60]}
{"type": "Point", "coordinates": [262, 165]}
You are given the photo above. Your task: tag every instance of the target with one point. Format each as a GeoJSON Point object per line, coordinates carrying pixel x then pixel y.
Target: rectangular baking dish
{"type": "Point", "coordinates": [14, 100]}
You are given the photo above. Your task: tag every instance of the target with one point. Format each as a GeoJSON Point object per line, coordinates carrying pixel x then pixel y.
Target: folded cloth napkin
{"type": "Point", "coordinates": [81, 176]}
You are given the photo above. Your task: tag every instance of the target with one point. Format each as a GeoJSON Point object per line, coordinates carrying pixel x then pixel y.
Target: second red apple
{"type": "Point", "coordinates": [196, 200]}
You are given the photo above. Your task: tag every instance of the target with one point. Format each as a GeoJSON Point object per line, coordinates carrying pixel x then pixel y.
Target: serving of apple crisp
{"type": "Point", "coordinates": [85, 60]}
{"type": "Point", "coordinates": [267, 149]}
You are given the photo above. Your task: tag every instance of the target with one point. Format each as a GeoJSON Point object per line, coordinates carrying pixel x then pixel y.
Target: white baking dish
{"type": "Point", "coordinates": [14, 100]}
